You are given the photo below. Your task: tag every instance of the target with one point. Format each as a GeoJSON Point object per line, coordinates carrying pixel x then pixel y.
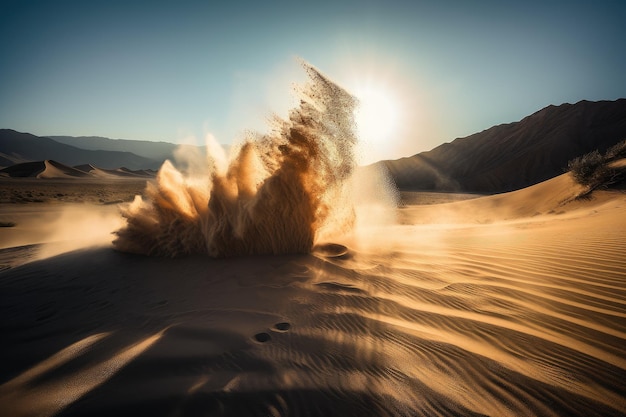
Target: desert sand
{"type": "Point", "coordinates": [284, 281]}
{"type": "Point", "coordinates": [40, 218]}
{"type": "Point", "coordinates": [504, 305]}
{"type": "Point", "coordinates": [58, 190]}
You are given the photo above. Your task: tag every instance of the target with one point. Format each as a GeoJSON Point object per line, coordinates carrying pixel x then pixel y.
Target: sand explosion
{"type": "Point", "coordinates": [274, 197]}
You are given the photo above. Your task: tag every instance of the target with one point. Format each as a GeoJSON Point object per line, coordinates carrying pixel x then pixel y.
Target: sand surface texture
{"type": "Point", "coordinates": [507, 305]}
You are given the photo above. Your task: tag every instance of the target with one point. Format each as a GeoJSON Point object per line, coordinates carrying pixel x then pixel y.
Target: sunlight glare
{"type": "Point", "coordinates": [376, 118]}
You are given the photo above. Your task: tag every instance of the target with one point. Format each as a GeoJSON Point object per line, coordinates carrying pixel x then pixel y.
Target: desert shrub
{"type": "Point", "coordinates": [585, 168]}
{"type": "Point", "coordinates": [617, 151]}
{"type": "Point", "coordinates": [595, 170]}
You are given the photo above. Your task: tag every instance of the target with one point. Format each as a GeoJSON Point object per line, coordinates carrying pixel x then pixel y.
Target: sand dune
{"type": "Point", "coordinates": [478, 307]}
{"type": "Point", "coordinates": [50, 169]}
{"type": "Point", "coordinates": [53, 169]}
{"type": "Point", "coordinates": [557, 196]}
{"type": "Point", "coordinates": [43, 169]}
{"type": "Point", "coordinates": [114, 173]}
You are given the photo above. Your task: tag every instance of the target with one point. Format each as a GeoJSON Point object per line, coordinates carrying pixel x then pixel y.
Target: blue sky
{"type": "Point", "coordinates": [175, 71]}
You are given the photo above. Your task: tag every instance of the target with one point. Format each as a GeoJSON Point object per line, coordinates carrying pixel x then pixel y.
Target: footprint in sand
{"type": "Point", "coordinates": [262, 337]}
{"type": "Point", "coordinates": [278, 327]}
{"type": "Point", "coordinates": [281, 327]}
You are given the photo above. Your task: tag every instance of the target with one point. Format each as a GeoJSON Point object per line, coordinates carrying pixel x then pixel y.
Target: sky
{"type": "Point", "coordinates": [426, 72]}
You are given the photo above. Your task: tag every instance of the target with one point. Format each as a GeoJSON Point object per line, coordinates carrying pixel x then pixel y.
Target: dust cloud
{"type": "Point", "coordinates": [278, 193]}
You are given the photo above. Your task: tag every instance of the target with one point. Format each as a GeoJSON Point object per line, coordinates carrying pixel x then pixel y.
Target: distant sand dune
{"type": "Point", "coordinates": [50, 169]}
{"type": "Point", "coordinates": [114, 173]}
{"type": "Point", "coordinates": [43, 169]}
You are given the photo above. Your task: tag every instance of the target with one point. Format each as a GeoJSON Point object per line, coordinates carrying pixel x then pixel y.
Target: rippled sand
{"type": "Point", "coordinates": [514, 316]}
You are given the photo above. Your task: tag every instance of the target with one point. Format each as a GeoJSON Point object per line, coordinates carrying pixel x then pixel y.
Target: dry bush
{"type": "Point", "coordinates": [594, 169]}
{"type": "Point", "coordinates": [587, 168]}
{"type": "Point", "coordinates": [617, 151]}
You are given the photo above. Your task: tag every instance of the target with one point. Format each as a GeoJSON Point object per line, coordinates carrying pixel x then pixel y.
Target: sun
{"type": "Point", "coordinates": [376, 118]}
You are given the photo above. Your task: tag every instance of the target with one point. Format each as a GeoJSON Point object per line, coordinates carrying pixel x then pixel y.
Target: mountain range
{"type": "Point", "coordinates": [157, 151]}
{"type": "Point", "coordinates": [502, 158]}
{"type": "Point", "coordinates": [514, 155]}
{"type": "Point", "coordinates": [17, 147]}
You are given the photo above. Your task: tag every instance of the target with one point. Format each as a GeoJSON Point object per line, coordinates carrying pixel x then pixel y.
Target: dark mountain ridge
{"type": "Point", "coordinates": [17, 147]}
{"type": "Point", "coordinates": [499, 159]}
{"type": "Point", "coordinates": [159, 151]}
{"type": "Point", "coordinates": [514, 155]}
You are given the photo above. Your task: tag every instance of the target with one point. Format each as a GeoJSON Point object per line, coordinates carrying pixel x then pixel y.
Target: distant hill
{"type": "Point", "coordinates": [16, 147]}
{"type": "Point", "coordinates": [159, 151]}
{"type": "Point", "coordinates": [502, 158]}
{"type": "Point", "coordinates": [515, 155]}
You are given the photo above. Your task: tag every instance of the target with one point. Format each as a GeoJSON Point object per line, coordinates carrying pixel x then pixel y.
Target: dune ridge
{"type": "Point", "coordinates": [43, 169]}
{"type": "Point", "coordinates": [115, 173]}
{"type": "Point", "coordinates": [50, 169]}
{"type": "Point", "coordinates": [556, 196]}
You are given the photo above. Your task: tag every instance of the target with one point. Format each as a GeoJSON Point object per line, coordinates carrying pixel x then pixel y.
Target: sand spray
{"type": "Point", "coordinates": [279, 193]}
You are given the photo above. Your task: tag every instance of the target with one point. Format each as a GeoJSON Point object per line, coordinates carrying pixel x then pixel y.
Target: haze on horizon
{"type": "Point", "coordinates": [430, 71]}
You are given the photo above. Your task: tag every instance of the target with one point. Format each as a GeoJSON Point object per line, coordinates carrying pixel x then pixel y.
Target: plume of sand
{"type": "Point", "coordinates": [91, 226]}
{"type": "Point", "coordinates": [275, 195]}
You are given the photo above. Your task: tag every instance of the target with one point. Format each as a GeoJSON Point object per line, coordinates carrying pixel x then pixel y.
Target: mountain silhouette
{"type": "Point", "coordinates": [159, 151]}
{"type": "Point", "coordinates": [514, 155]}
{"type": "Point", "coordinates": [17, 147]}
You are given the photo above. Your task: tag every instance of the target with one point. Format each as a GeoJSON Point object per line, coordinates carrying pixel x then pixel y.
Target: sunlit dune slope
{"type": "Point", "coordinates": [556, 196]}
